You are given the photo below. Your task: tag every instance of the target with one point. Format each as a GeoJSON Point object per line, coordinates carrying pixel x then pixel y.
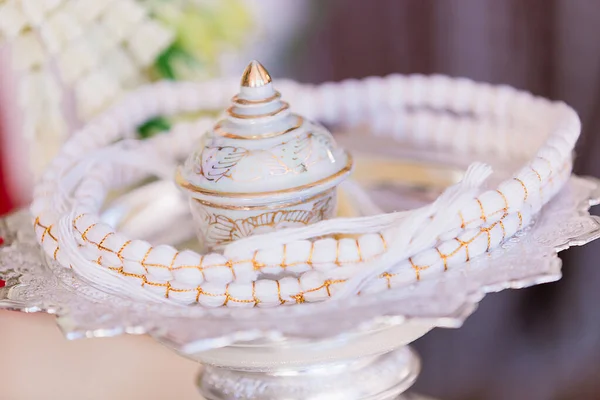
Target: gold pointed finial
{"type": "Point", "coordinates": [255, 75]}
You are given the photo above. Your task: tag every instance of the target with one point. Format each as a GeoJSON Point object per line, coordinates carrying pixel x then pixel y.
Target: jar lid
{"type": "Point", "coordinates": [262, 149]}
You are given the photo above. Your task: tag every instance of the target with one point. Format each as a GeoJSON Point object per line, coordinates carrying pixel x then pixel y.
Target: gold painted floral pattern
{"type": "Point", "coordinates": [223, 229]}
{"type": "Point", "coordinates": [295, 156]}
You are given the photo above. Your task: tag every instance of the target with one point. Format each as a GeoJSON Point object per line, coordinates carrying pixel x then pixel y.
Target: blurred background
{"type": "Point", "coordinates": [64, 61]}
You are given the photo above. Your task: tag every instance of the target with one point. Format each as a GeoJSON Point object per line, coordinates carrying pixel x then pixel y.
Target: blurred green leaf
{"type": "Point", "coordinates": [153, 126]}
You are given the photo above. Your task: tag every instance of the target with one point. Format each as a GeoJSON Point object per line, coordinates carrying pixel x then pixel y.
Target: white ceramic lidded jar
{"type": "Point", "coordinates": [261, 168]}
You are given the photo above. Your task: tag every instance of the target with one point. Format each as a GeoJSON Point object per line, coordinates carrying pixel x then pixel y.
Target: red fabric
{"type": "Point", "coordinates": [6, 204]}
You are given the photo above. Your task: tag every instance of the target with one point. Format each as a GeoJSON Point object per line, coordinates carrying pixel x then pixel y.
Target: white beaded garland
{"type": "Point", "coordinates": [484, 119]}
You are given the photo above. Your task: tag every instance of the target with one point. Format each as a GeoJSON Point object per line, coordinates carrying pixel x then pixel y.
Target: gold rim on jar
{"type": "Point", "coordinates": [181, 181]}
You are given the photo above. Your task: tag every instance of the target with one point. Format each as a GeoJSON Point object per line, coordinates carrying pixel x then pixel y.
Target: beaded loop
{"type": "Point", "coordinates": [438, 112]}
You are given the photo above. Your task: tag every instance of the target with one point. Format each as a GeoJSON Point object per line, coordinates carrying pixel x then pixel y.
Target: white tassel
{"type": "Point", "coordinates": [363, 225]}
{"type": "Point", "coordinates": [475, 175]}
{"type": "Point", "coordinates": [416, 232]}
{"type": "Point", "coordinates": [100, 277]}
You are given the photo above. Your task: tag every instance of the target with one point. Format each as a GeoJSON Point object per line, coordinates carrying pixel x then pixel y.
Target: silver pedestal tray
{"type": "Point", "coordinates": [357, 349]}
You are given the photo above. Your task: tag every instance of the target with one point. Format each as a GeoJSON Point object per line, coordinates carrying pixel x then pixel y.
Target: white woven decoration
{"type": "Point", "coordinates": [292, 266]}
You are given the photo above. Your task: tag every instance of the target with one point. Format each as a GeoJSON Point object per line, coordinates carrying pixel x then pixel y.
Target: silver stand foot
{"type": "Point", "coordinates": [383, 377]}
